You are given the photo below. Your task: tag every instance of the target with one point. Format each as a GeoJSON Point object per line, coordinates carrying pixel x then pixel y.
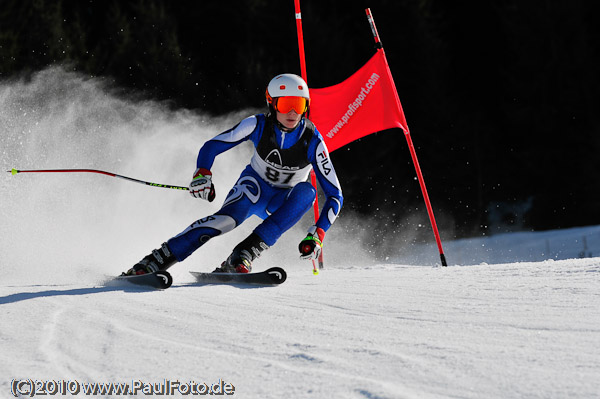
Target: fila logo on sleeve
{"type": "Point", "coordinates": [324, 162]}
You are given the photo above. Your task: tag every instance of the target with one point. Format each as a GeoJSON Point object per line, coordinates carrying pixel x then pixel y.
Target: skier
{"type": "Point", "coordinates": [273, 186]}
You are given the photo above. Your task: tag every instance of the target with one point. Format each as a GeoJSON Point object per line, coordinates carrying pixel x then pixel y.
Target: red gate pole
{"type": "Point", "coordinates": [313, 177]}
{"type": "Point", "coordinates": [411, 148]}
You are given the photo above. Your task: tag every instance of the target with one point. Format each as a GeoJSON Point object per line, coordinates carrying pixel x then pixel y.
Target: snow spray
{"type": "Point", "coordinates": [53, 224]}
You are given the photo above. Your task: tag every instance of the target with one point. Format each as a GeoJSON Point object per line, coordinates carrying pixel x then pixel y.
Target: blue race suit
{"type": "Point", "coordinates": [273, 186]}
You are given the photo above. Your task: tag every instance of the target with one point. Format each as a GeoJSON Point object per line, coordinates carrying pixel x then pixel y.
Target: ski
{"type": "Point", "coordinates": [160, 279]}
{"type": "Point", "coordinates": [272, 276]}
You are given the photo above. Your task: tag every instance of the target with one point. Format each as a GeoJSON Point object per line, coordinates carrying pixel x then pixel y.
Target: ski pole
{"type": "Point", "coordinates": [15, 171]}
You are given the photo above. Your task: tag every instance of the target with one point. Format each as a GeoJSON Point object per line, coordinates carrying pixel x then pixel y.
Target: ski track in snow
{"type": "Point", "coordinates": [384, 331]}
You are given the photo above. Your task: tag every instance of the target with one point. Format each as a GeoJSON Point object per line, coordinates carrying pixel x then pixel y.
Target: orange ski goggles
{"type": "Point", "coordinates": [288, 103]}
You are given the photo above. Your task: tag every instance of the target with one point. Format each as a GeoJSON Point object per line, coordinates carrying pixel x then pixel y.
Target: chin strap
{"type": "Point", "coordinates": [285, 129]}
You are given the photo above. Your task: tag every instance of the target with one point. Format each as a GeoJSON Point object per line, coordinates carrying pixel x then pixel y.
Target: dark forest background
{"type": "Point", "coordinates": [502, 97]}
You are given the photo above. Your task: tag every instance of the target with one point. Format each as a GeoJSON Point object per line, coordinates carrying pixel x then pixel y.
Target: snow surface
{"type": "Point", "coordinates": [514, 316]}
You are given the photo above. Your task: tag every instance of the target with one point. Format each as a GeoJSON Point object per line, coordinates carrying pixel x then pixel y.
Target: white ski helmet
{"type": "Point", "coordinates": [287, 85]}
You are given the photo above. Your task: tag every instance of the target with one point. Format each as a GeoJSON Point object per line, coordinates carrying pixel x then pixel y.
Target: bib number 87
{"type": "Point", "coordinates": [278, 177]}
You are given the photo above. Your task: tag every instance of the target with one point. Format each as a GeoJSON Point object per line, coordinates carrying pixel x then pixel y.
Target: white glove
{"type": "Point", "coordinates": [310, 247]}
{"type": "Point", "coordinates": [201, 185]}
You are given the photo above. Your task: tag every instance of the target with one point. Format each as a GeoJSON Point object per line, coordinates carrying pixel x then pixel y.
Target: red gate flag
{"type": "Point", "coordinates": [365, 103]}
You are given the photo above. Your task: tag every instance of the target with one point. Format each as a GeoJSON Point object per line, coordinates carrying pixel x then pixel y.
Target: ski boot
{"type": "Point", "coordinates": [159, 259]}
{"type": "Point", "coordinates": [240, 260]}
